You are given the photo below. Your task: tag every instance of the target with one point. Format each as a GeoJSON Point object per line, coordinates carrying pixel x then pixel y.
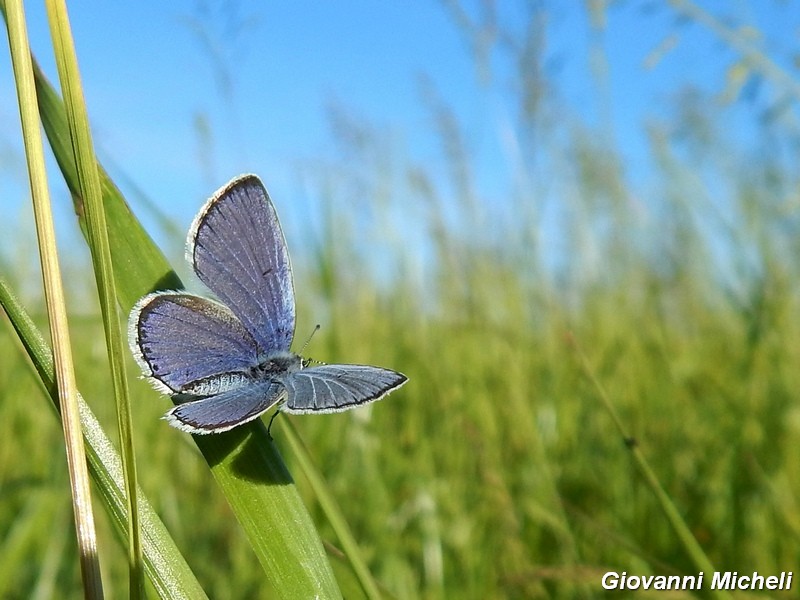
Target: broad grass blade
{"type": "Point", "coordinates": [164, 564]}
{"type": "Point", "coordinates": [245, 462]}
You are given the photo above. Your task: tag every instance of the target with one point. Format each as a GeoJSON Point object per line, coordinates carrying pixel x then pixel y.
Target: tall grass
{"type": "Point", "coordinates": [496, 472]}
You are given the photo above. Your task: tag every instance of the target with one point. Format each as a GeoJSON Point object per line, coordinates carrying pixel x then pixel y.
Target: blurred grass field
{"type": "Point", "coordinates": [496, 472]}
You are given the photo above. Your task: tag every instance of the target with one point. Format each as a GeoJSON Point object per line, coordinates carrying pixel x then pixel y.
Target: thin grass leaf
{"type": "Point", "coordinates": [89, 183]}
{"type": "Point", "coordinates": [164, 564]}
{"type": "Point", "coordinates": [245, 462]}
{"type": "Point", "coordinates": [332, 511]}
{"type": "Point", "coordinates": [351, 586]}
{"type": "Point", "coordinates": [56, 309]}
{"type": "Point", "coordinates": [133, 251]}
{"type": "Point", "coordinates": [692, 547]}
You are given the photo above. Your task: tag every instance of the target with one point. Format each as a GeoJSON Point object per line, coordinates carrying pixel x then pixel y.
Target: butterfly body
{"type": "Point", "coordinates": [278, 365]}
{"type": "Point", "coordinates": [229, 360]}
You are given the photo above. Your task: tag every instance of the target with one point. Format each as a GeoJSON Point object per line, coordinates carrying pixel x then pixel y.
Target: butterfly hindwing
{"type": "Point", "coordinates": [227, 410]}
{"type": "Point", "coordinates": [335, 388]}
{"type": "Point", "coordinates": [179, 339]}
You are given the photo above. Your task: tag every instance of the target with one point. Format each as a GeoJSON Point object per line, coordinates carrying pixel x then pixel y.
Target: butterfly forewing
{"type": "Point", "coordinates": [237, 248]}
{"type": "Point", "coordinates": [179, 339]}
{"type": "Point", "coordinates": [334, 388]}
{"type": "Point", "coordinates": [227, 410]}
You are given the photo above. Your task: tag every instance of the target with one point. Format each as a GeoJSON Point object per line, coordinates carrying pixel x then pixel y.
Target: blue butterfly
{"type": "Point", "coordinates": [229, 361]}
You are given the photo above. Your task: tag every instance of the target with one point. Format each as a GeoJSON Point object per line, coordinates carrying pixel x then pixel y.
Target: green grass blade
{"type": "Point", "coordinates": [89, 184]}
{"type": "Point", "coordinates": [332, 511]}
{"type": "Point", "coordinates": [133, 251]}
{"type": "Point", "coordinates": [690, 544]}
{"type": "Point", "coordinates": [245, 463]}
{"type": "Point", "coordinates": [164, 564]}
{"type": "Point", "coordinates": [56, 308]}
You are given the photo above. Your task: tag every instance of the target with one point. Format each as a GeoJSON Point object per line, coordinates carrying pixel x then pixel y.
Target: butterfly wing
{"type": "Point", "coordinates": [185, 343]}
{"type": "Point", "coordinates": [237, 249]}
{"type": "Point", "coordinates": [227, 410]}
{"type": "Point", "coordinates": [335, 388]}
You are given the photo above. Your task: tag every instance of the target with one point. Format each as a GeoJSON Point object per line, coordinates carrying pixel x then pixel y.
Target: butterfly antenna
{"type": "Point", "coordinates": [316, 329]}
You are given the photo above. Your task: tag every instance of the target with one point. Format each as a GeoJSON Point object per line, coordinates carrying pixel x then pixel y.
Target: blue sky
{"type": "Point", "coordinates": [147, 76]}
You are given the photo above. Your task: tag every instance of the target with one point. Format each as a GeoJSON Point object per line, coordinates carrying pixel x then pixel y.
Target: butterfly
{"type": "Point", "coordinates": [227, 361]}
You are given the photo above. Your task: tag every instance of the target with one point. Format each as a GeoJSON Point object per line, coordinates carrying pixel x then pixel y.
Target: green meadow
{"type": "Point", "coordinates": [531, 328]}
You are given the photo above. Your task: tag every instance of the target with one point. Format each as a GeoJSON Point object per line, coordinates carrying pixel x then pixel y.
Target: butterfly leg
{"type": "Point", "coordinates": [269, 426]}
